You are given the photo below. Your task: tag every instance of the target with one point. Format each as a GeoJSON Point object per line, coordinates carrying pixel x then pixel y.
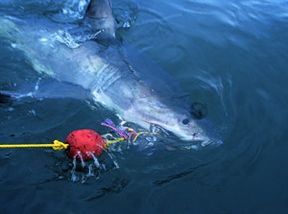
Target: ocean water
{"type": "Point", "coordinates": [229, 55]}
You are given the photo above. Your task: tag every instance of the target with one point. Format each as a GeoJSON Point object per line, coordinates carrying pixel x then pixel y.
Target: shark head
{"type": "Point", "coordinates": [187, 125]}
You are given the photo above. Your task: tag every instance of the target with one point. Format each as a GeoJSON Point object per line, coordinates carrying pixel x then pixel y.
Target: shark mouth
{"type": "Point", "coordinates": [172, 140]}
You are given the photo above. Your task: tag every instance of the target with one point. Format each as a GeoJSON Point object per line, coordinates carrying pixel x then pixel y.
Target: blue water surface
{"type": "Point", "coordinates": [230, 55]}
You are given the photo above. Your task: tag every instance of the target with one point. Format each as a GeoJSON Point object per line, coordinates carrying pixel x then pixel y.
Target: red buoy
{"type": "Point", "coordinates": [85, 142]}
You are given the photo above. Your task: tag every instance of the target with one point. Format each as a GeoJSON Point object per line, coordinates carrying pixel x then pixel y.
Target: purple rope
{"type": "Point", "coordinates": [122, 133]}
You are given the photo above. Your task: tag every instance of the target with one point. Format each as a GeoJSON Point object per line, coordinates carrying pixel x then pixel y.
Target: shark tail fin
{"type": "Point", "coordinates": [44, 89]}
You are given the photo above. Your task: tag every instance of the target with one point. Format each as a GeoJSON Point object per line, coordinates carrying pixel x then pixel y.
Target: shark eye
{"type": "Point", "coordinates": [185, 121]}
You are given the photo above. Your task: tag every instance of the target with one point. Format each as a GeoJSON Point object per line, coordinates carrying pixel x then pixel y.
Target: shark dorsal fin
{"type": "Point", "coordinates": [99, 16]}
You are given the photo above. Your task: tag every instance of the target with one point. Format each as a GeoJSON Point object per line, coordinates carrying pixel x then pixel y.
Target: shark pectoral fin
{"type": "Point", "coordinates": [99, 16]}
{"type": "Point", "coordinates": [45, 89]}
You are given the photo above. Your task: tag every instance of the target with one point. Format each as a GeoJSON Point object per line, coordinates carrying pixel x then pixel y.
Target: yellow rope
{"type": "Point", "coordinates": [120, 139]}
{"type": "Point", "coordinates": [56, 145]}
{"type": "Point", "coordinates": [138, 134]}
{"type": "Point", "coordinates": [110, 142]}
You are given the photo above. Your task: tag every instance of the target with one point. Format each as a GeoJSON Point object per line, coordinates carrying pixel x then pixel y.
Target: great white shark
{"type": "Point", "coordinates": [112, 72]}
